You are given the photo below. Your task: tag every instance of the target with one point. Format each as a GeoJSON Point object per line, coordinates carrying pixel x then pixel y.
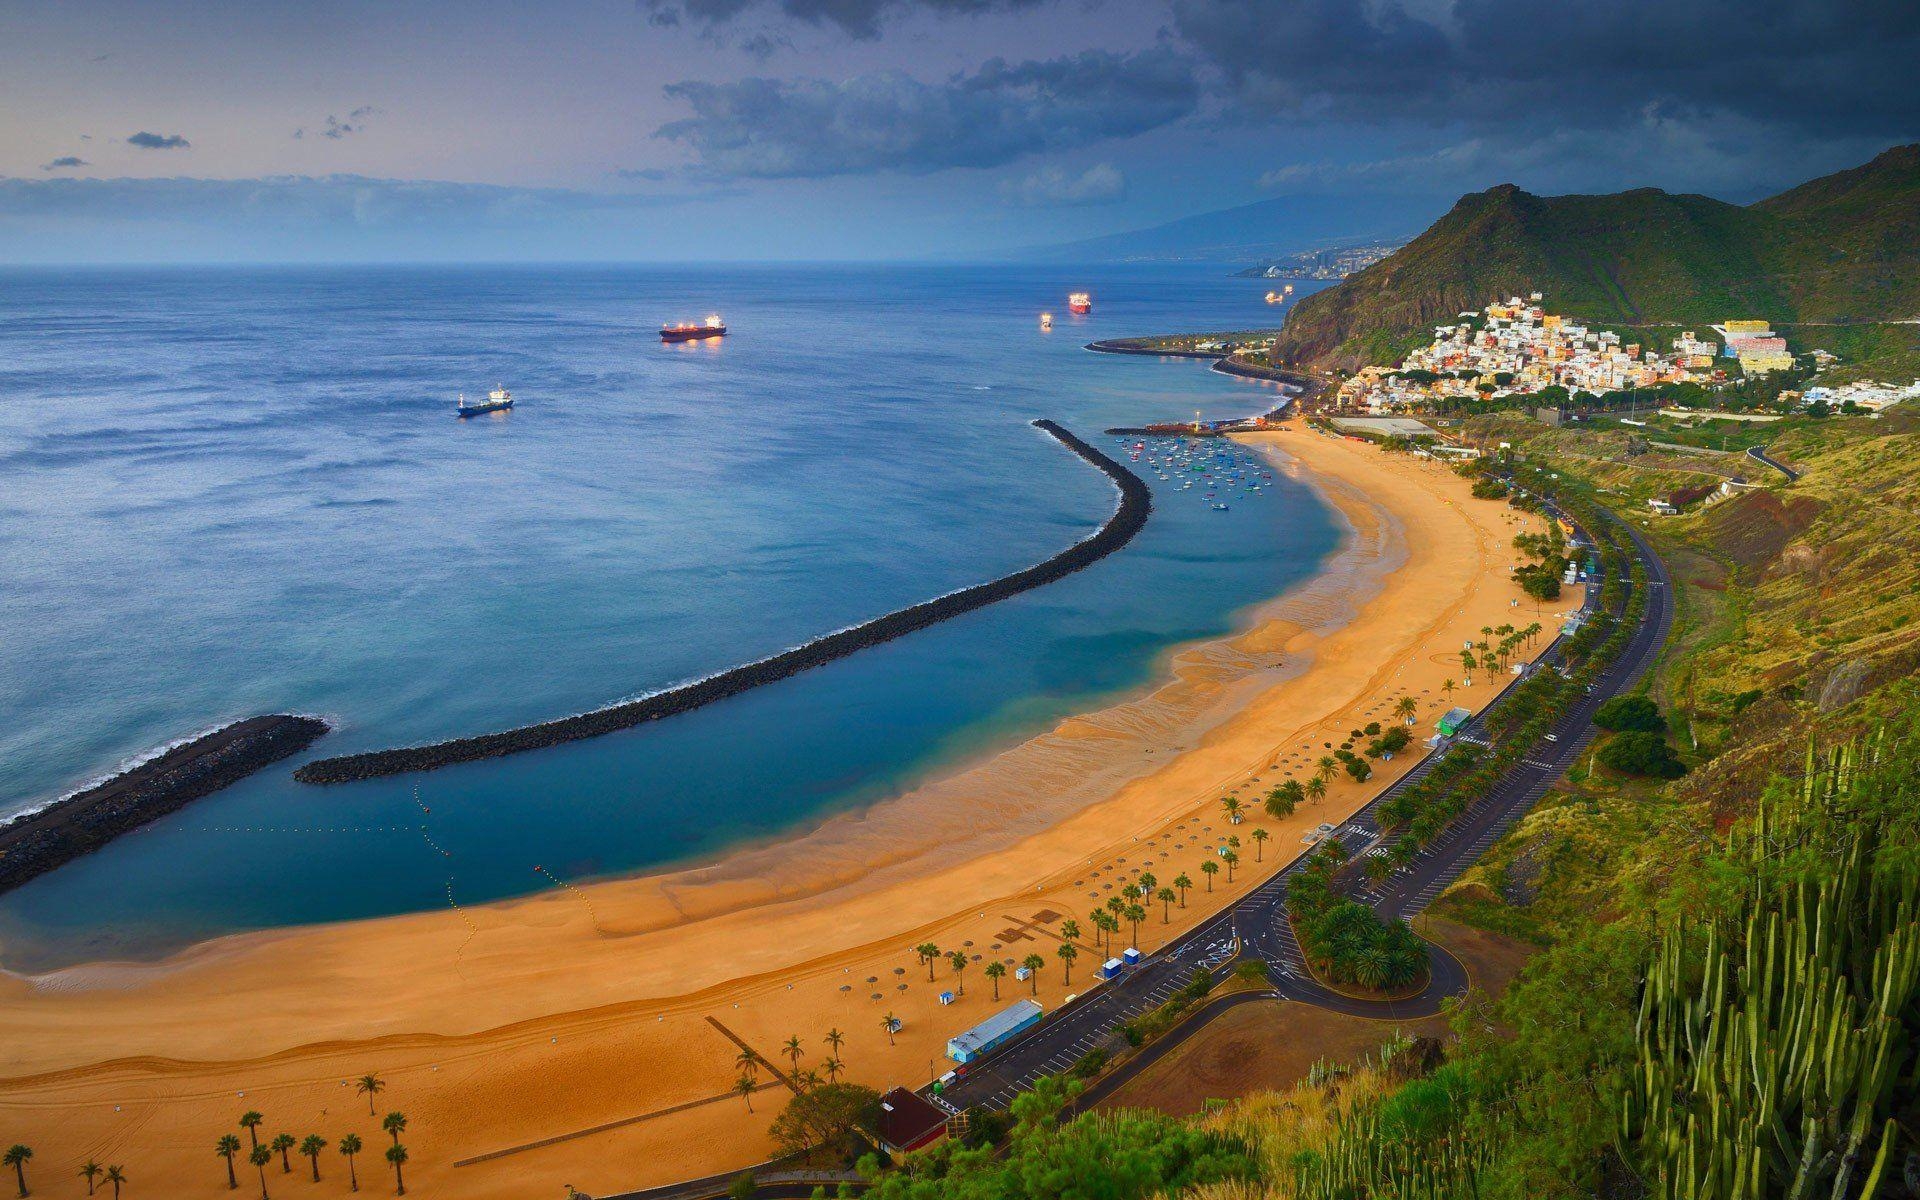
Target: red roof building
{"type": "Point", "coordinates": [908, 1122]}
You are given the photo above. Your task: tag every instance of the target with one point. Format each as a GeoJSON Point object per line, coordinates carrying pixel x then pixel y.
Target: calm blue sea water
{"type": "Point", "coordinates": [233, 491]}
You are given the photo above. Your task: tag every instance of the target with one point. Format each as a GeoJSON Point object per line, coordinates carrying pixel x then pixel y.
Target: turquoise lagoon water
{"type": "Point", "coordinates": [233, 491]}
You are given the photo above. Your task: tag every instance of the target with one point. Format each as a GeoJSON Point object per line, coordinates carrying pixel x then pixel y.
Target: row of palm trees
{"type": "Point", "coordinates": [261, 1154]}
{"type": "Point", "coordinates": [18, 1156]}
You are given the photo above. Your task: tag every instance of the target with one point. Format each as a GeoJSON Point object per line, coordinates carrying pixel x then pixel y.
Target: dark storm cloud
{"type": "Point", "coordinates": [63, 162]}
{"type": "Point", "coordinates": [1804, 65]}
{"type": "Point", "coordinates": [812, 128]}
{"type": "Point", "coordinates": [858, 18]}
{"type": "Point", "coordinates": [156, 141]}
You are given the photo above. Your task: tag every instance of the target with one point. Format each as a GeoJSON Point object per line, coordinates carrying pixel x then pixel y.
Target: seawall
{"type": "Point", "coordinates": [87, 820]}
{"type": "Point", "coordinates": [1136, 503]}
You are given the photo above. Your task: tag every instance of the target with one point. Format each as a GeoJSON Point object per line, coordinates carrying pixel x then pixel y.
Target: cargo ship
{"type": "Point", "coordinates": [686, 331]}
{"type": "Point", "coordinates": [1080, 302]}
{"type": "Point", "coordinates": [496, 400]}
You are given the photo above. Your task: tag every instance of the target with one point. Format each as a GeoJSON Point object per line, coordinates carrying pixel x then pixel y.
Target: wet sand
{"type": "Point", "coordinates": [518, 1023]}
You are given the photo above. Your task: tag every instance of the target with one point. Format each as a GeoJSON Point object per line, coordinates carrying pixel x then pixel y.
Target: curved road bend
{"type": "Point", "coordinates": [1256, 925]}
{"type": "Point", "coordinates": [1760, 455]}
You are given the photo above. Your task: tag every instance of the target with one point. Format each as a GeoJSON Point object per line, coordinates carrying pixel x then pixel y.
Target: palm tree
{"type": "Point", "coordinates": [260, 1157]}
{"type": "Point", "coordinates": [1326, 768]}
{"type": "Point", "coordinates": [395, 1124]}
{"type": "Point", "coordinates": [227, 1147]}
{"type": "Point", "coordinates": [995, 972]}
{"type": "Point", "coordinates": [1315, 788]}
{"type": "Point", "coordinates": [1070, 931]}
{"type": "Point", "coordinates": [793, 1051]}
{"type": "Point", "coordinates": [929, 954]}
{"type": "Point", "coordinates": [1098, 918]}
{"type": "Point", "coordinates": [90, 1172]}
{"type": "Point", "coordinates": [1148, 882]}
{"type": "Point", "coordinates": [250, 1121]}
{"type": "Point", "coordinates": [1447, 686]}
{"type": "Point", "coordinates": [350, 1146]}
{"type": "Point", "coordinates": [1165, 897]}
{"type": "Point", "coordinates": [1260, 837]}
{"type": "Point", "coordinates": [1183, 883]}
{"type": "Point", "coordinates": [1067, 952]}
{"type": "Point", "coordinates": [1209, 868]}
{"type": "Point", "coordinates": [743, 1087]}
{"type": "Point", "coordinates": [1407, 707]}
{"type": "Point", "coordinates": [1033, 963]}
{"type": "Point", "coordinates": [397, 1154]}
{"type": "Point", "coordinates": [370, 1086]}
{"type": "Point", "coordinates": [312, 1146]}
{"type": "Point", "coordinates": [1233, 806]}
{"type": "Point", "coordinates": [116, 1177]}
{"type": "Point", "coordinates": [807, 1080]}
{"type": "Point", "coordinates": [891, 1024]}
{"type": "Point", "coordinates": [1111, 924]}
{"type": "Point", "coordinates": [748, 1062]}
{"type": "Point", "coordinates": [833, 1067]}
{"type": "Point", "coordinates": [281, 1144]}
{"type": "Point", "coordinates": [1230, 858]}
{"type": "Point", "coordinates": [16, 1157]}
{"type": "Point", "coordinates": [834, 1040]}
{"type": "Point", "coordinates": [958, 961]}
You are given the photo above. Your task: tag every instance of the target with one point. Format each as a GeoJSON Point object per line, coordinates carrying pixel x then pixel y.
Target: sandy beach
{"type": "Point", "coordinates": [589, 1037]}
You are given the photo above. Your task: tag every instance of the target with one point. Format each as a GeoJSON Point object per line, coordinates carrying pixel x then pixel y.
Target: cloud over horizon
{"type": "Point", "coordinates": [64, 162]}
{"type": "Point", "coordinates": [766, 128]}
{"type": "Point", "coordinates": [156, 141]}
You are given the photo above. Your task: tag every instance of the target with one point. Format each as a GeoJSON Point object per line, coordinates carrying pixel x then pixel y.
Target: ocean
{"type": "Point", "coordinates": [230, 491]}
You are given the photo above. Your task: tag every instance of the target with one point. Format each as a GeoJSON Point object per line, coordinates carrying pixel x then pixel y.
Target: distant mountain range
{"type": "Point", "coordinates": [1842, 248]}
{"type": "Point", "coordinates": [1252, 233]}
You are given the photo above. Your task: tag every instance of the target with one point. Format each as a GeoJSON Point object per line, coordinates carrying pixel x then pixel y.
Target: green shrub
{"type": "Point", "coordinates": [1630, 713]}
{"type": "Point", "coordinates": [1640, 753]}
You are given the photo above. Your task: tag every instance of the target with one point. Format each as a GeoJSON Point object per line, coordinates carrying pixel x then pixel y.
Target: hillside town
{"type": "Point", "coordinates": [1518, 348]}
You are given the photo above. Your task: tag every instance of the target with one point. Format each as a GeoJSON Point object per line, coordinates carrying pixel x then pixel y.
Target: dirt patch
{"type": "Point", "coordinates": [1752, 529]}
{"type": "Point", "coordinates": [1262, 1047]}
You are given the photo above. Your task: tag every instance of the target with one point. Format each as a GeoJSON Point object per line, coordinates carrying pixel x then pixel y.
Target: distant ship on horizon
{"type": "Point", "coordinates": [1080, 303]}
{"type": "Point", "coordinates": [496, 400]}
{"type": "Point", "coordinates": [687, 331]}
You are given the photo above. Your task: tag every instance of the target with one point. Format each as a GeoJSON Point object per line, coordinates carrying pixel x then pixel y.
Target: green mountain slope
{"type": "Point", "coordinates": [1842, 248]}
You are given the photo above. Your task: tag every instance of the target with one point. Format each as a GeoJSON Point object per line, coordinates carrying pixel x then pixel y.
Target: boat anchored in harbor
{"type": "Point", "coordinates": [497, 399]}
{"type": "Point", "coordinates": [1080, 303]}
{"type": "Point", "coordinates": [687, 331]}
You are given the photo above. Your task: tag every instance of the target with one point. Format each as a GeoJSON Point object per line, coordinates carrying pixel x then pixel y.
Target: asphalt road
{"type": "Point", "coordinates": [1759, 455]}
{"type": "Point", "coordinates": [1256, 926]}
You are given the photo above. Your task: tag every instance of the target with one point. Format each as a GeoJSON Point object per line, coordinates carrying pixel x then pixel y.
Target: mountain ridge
{"type": "Point", "coordinates": [1841, 248]}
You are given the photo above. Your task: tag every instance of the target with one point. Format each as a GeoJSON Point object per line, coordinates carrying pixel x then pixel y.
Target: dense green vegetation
{"type": "Point", "coordinates": [1114, 1156]}
{"type": "Point", "coordinates": [1845, 248]}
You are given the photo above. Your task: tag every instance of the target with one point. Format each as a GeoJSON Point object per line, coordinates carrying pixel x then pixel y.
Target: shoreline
{"type": "Point", "coordinates": [1127, 519]}
{"type": "Point", "coordinates": [503, 1025]}
{"type": "Point", "coordinates": [150, 787]}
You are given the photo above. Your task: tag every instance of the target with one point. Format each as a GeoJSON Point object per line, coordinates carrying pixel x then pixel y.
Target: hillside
{"type": "Point", "coordinates": [1842, 248]}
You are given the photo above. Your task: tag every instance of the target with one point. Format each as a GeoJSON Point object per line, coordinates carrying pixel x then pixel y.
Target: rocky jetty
{"type": "Point", "coordinates": [1136, 502]}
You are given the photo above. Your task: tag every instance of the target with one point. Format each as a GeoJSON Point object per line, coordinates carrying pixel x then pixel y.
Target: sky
{"type": "Point", "coordinates": [895, 129]}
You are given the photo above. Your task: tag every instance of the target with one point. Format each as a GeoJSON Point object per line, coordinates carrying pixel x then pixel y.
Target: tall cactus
{"type": "Point", "coordinates": [1771, 1039]}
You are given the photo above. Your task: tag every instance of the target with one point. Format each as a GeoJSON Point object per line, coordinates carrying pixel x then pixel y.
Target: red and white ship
{"type": "Point", "coordinates": [1080, 302]}
{"type": "Point", "coordinates": [687, 331]}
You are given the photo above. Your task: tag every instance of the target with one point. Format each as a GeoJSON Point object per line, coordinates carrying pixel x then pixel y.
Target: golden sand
{"type": "Point", "coordinates": [585, 1038]}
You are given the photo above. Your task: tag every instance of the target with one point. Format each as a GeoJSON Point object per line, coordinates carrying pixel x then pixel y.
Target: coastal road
{"type": "Point", "coordinates": [1255, 927]}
